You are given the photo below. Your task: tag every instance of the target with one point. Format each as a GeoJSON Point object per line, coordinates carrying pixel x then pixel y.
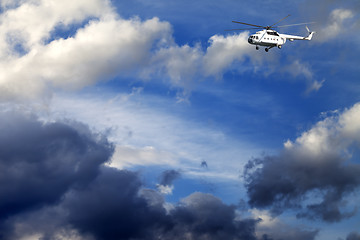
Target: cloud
{"type": "Point", "coordinates": [166, 181]}
{"type": "Point", "coordinates": [9, 3]}
{"type": "Point", "coordinates": [185, 65]}
{"type": "Point", "coordinates": [106, 213]}
{"type": "Point", "coordinates": [33, 59]}
{"type": "Point", "coordinates": [168, 176]}
{"type": "Point", "coordinates": [56, 186]}
{"type": "Point", "coordinates": [73, 63]}
{"type": "Point", "coordinates": [335, 20]}
{"type": "Point", "coordinates": [203, 216]}
{"type": "Point", "coordinates": [353, 236]}
{"type": "Point", "coordinates": [34, 171]}
{"type": "Point", "coordinates": [312, 175]}
{"type": "Point", "coordinates": [127, 156]}
{"type": "Point", "coordinates": [37, 57]}
{"type": "Point", "coordinates": [147, 131]}
{"type": "Point", "coordinates": [275, 229]}
{"type": "Point", "coordinates": [337, 24]}
{"type": "Point", "coordinates": [40, 162]}
{"type": "Point", "coordinates": [224, 50]}
{"type": "Point", "coordinates": [32, 22]}
{"type": "Point", "coordinates": [112, 209]}
{"type": "Point", "coordinates": [297, 68]}
{"type": "Point", "coordinates": [180, 64]}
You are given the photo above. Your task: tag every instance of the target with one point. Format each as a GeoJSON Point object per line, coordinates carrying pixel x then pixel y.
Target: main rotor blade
{"type": "Point", "coordinates": [296, 24]}
{"type": "Point", "coordinates": [262, 36]}
{"type": "Point", "coordinates": [249, 24]}
{"type": "Point", "coordinates": [280, 21]}
{"type": "Point", "coordinates": [236, 29]}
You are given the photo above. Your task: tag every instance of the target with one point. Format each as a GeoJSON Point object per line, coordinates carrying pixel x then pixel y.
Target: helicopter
{"type": "Point", "coordinates": [270, 38]}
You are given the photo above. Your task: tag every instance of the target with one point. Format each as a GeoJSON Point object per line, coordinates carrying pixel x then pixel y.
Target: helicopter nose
{"type": "Point", "coordinates": [250, 40]}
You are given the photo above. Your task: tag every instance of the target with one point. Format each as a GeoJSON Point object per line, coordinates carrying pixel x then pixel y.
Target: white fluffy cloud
{"type": "Point", "coordinates": [105, 47]}
{"type": "Point", "coordinates": [223, 51]}
{"type": "Point", "coordinates": [333, 135]}
{"type": "Point", "coordinates": [33, 58]}
{"type": "Point", "coordinates": [184, 63]}
{"type": "Point", "coordinates": [179, 63]}
{"type": "Point", "coordinates": [32, 22]}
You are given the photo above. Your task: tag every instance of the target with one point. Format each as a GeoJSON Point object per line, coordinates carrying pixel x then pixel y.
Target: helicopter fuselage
{"type": "Point", "coordinates": [271, 38]}
{"type": "Point", "coordinates": [267, 38]}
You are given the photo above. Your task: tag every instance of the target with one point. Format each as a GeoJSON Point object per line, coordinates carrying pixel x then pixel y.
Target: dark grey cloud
{"type": "Point", "coordinates": [167, 177]}
{"type": "Point", "coordinates": [290, 178]}
{"type": "Point", "coordinates": [353, 236]}
{"type": "Point", "coordinates": [203, 216]}
{"type": "Point", "coordinates": [111, 208]}
{"type": "Point", "coordinates": [292, 234]}
{"type": "Point", "coordinates": [54, 185]}
{"type": "Point", "coordinates": [281, 231]}
{"type": "Point", "coordinates": [40, 162]}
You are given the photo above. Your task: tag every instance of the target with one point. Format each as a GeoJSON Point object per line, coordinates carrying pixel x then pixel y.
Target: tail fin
{"type": "Point", "coordinates": [309, 37]}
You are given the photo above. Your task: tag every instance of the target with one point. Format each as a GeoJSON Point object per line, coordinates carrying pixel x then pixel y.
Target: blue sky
{"type": "Point", "coordinates": [131, 97]}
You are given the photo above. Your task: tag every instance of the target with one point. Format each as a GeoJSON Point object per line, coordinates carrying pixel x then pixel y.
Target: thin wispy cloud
{"type": "Point", "coordinates": [153, 136]}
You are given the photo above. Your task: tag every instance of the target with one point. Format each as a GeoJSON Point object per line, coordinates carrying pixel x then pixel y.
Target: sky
{"type": "Point", "coordinates": [146, 120]}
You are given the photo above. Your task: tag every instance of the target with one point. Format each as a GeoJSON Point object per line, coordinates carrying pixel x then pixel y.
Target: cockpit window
{"type": "Point", "coordinates": [273, 33]}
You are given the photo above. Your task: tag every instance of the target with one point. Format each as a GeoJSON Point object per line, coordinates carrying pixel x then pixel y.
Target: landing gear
{"type": "Point", "coordinates": [257, 47]}
{"type": "Point", "coordinates": [268, 48]}
{"type": "Point", "coordinates": [279, 46]}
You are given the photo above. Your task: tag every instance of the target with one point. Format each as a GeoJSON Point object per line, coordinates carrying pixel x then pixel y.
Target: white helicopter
{"type": "Point", "coordinates": [270, 38]}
